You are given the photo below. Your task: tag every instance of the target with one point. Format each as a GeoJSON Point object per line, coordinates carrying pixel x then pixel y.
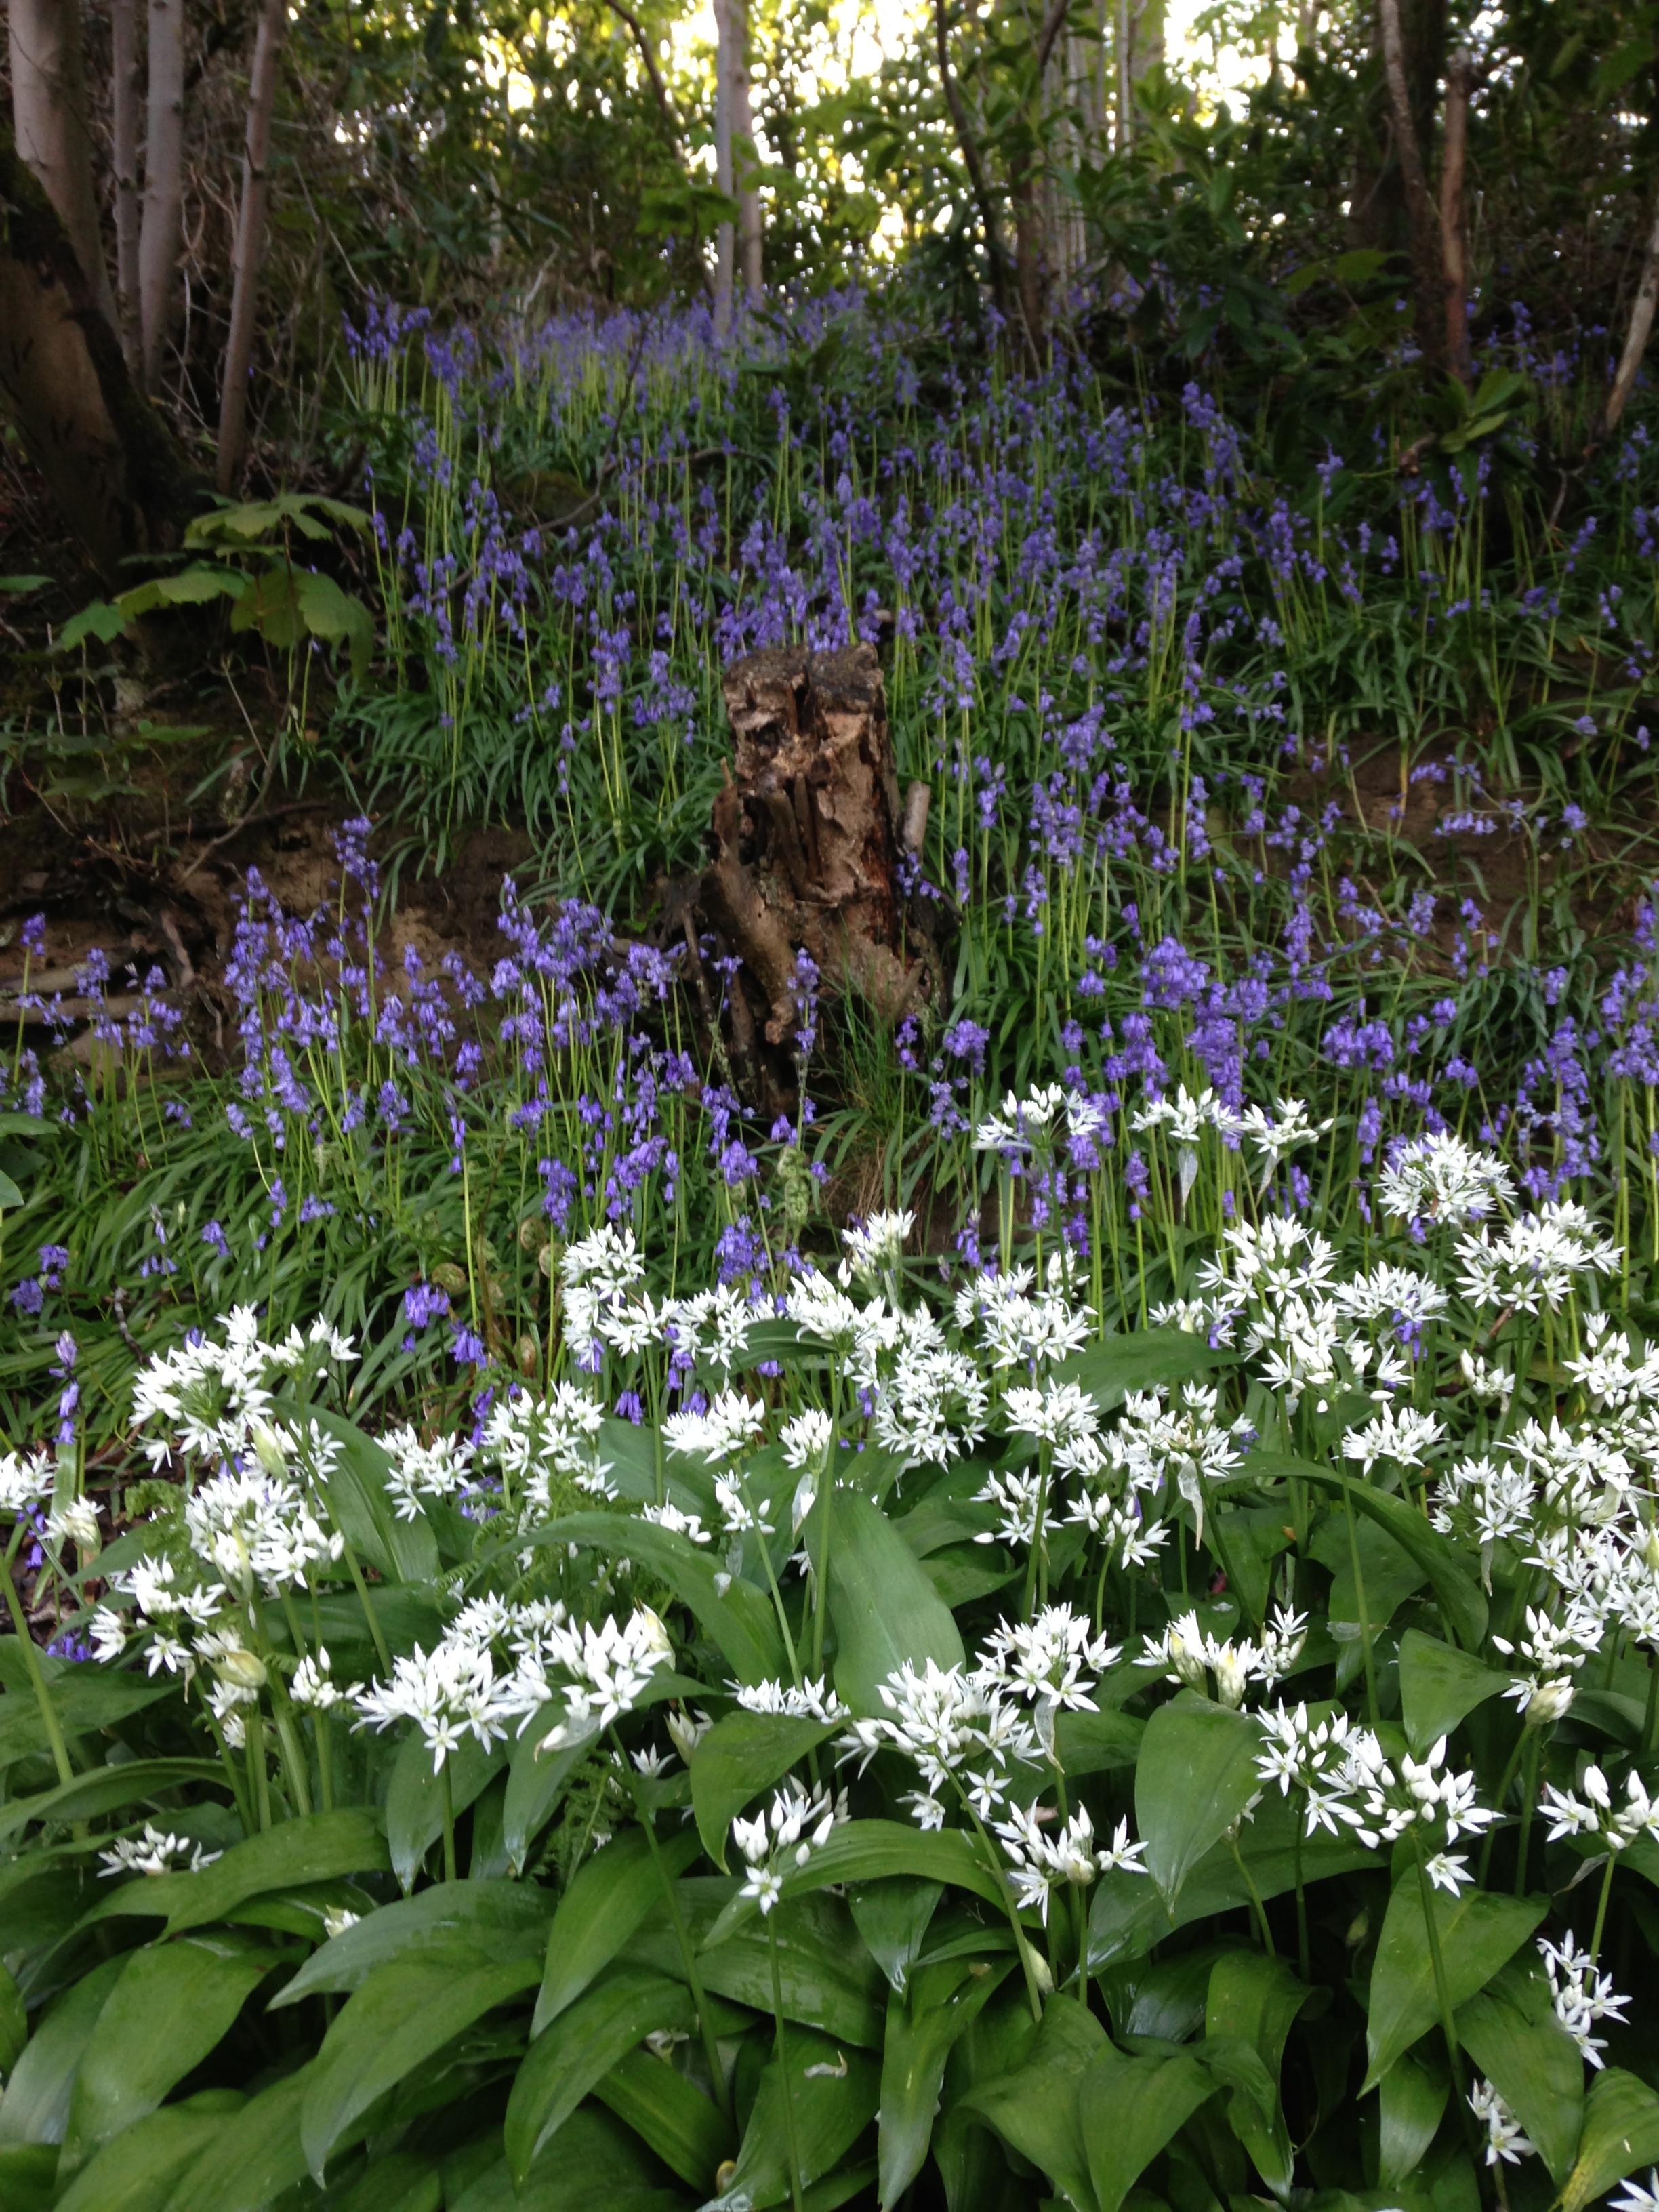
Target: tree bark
{"type": "Point", "coordinates": [1636, 340]}
{"type": "Point", "coordinates": [968, 147]}
{"type": "Point", "coordinates": [114, 471]}
{"type": "Point", "coordinates": [124, 100]}
{"type": "Point", "coordinates": [161, 234]}
{"type": "Point", "coordinates": [49, 114]}
{"type": "Point", "coordinates": [250, 237]}
{"type": "Point", "coordinates": [1459, 84]}
{"type": "Point", "coordinates": [724, 234]}
{"type": "Point", "coordinates": [752, 238]}
{"type": "Point", "coordinates": [1428, 267]}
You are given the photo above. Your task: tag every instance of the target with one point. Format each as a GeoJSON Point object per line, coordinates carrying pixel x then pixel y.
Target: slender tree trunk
{"type": "Point", "coordinates": [114, 471]}
{"type": "Point", "coordinates": [750, 232]}
{"type": "Point", "coordinates": [968, 146]}
{"type": "Point", "coordinates": [124, 100]}
{"type": "Point", "coordinates": [250, 237]}
{"type": "Point", "coordinates": [724, 234]}
{"type": "Point", "coordinates": [1636, 340]}
{"type": "Point", "coordinates": [49, 113]}
{"type": "Point", "coordinates": [1428, 268]}
{"type": "Point", "coordinates": [161, 234]}
{"type": "Point", "coordinates": [1459, 84]}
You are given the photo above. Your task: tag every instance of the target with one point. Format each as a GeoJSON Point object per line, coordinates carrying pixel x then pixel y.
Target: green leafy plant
{"type": "Point", "coordinates": [995, 1755]}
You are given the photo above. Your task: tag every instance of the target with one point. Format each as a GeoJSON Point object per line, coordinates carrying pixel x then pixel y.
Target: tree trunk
{"type": "Point", "coordinates": [1636, 341]}
{"type": "Point", "coordinates": [164, 195]}
{"type": "Point", "coordinates": [967, 145]}
{"type": "Point", "coordinates": [752, 241]}
{"type": "Point", "coordinates": [1428, 266]}
{"type": "Point", "coordinates": [250, 237]}
{"type": "Point", "coordinates": [49, 113]}
{"type": "Point", "coordinates": [807, 850]}
{"type": "Point", "coordinates": [124, 100]}
{"type": "Point", "coordinates": [117, 477]}
{"type": "Point", "coordinates": [724, 234]}
{"type": "Point", "coordinates": [1459, 84]}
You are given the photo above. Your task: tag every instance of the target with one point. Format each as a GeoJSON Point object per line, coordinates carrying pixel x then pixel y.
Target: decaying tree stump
{"type": "Point", "coordinates": [807, 840]}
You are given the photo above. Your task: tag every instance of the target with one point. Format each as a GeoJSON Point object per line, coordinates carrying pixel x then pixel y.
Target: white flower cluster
{"type": "Point", "coordinates": [1224, 1669]}
{"type": "Point", "coordinates": [211, 1393]}
{"type": "Point", "coordinates": [1348, 1782]}
{"type": "Point", "coordinates": [153, 1852]}
{"type": "Point", "coordinates": [785, 1837]}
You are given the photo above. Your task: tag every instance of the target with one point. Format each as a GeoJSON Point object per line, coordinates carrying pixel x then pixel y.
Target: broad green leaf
{"type": "Point", "coordinates": [106, 1789]}
{"type": "Point", "coordinates": [868, 1850]}
{"type": "Point", "coordinates": [594, 2163]}
{"type": "Point", "coordinates": [137, 2172]}
{"type": "Point", "coordinates": [36, 2104]}
{"type": "Point", "coordinates": [1256, 1999]}
{"type": "Point", "coordinates": [1459, 1595]}
{"type": "Point", "coordinates": [1621, 2132]}
{"type": "Point", "coordinates": [738, 1619]}
{"type": "Point", "coordinates": [1036, 2108]}
{"type": "Point", "coordinates": [329, 612]}
{"type": "Point", "coordinates": [82, 1702]}
{"type": "Point", "coordinates": [406, 2010]}
{"type": "Point", "coordinates": [923, 2026]}
{"type": "Point", "coordinates": [536, 1781]}
{"type": "Point", "coordinates": [671, 2113]}
{"type": "Point", "coordinates": [394, 2181]}
{"type": "Point", "coordinates": [314, 1847]}
{"type": "Point", "coordinates": [1511, 2033]}
{"type": "Point", "coordinates": [29, 2176]}
{"type": "Point", "coordinates": [892, 1917]}
{"type": "Point", "coordinates": [1479, 1933]}
{"type": "Point", "coordinates": [579, 2048]}
{"type": "Point", "coordinates": [13, 2023]}
{"type": "Point", "coordinates": [1130, 2108]}
{"type": "Point", "coordinates": [1141, 1360]}
{"type": "Point", "coordinates": [827, 1975]}
{"type": "Point", "coordinates": [1095, 1743]}
{"type": "Point", "coordinates": [741, 1755]}
{"type": "Point", "coordinates": [256, 2154]}
{"type": "Point", "coordinates": [100, 620]}
{"type": "Point", "coordinates": [493, 1923]}
{"type": "Point", "coordinates": [833, 2093]}
{"type": "Point", "coordinates": [415, 1802]}
{"type": "Point", "coordinates": [1196, 1775]}
{"type": "Point", "coordinates": [1439, 1685]}
{"type": "Point", "coordinates": [1413, 2096]}
{"type": "Point", "coordinates": [611, 1895]}
{"type": "Point", "coordinates": [172, 2006]}
{"type": "Point", "coordinates": [1128, 1915]}
{"type": "Point", "coordinates": [883, 1608]}
{"type": "Point", "coordinates": [402, 1551]}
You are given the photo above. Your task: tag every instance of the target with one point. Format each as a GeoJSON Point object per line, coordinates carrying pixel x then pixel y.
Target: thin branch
{"type": "Point", "coordinates": [975, 166]}
{"type": "Point", "coordinates": [652, 71]}
{"type": "Point", "coordinates": [1053, 24]}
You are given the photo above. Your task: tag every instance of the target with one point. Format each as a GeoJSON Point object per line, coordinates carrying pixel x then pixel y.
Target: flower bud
{"type": "Point", "coordinates": [1548, 1702]}
{"type": "Point", "coordinates": [269, 1449]}
{"type": "Point", "coordinates": [243, 1670]}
